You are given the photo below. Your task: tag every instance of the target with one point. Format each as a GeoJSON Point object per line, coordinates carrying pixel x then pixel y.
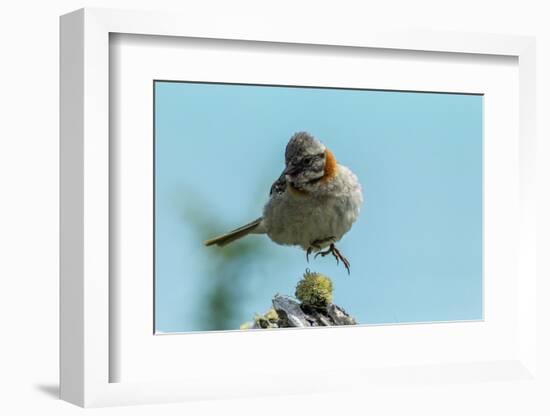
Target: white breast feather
{"type": "Point", "coordinates": [329, 210]}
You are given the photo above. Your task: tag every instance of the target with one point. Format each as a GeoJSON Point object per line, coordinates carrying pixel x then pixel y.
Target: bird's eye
{"type": "Point", "coordinates": [307, 160]}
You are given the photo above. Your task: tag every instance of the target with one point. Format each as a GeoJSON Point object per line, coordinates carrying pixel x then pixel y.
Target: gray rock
{"type": "Point", "coordinates": [292, 314]}
{"type": "Point", "coordinates": [339, 316]}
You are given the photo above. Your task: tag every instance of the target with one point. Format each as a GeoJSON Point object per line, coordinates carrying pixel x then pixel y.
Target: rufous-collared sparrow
{"type": "Point", "coordinates": [313, 204]}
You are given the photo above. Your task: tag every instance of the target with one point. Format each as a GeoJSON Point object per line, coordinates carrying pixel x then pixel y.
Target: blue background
{"type": "Point", "coordinates": [415, 251]}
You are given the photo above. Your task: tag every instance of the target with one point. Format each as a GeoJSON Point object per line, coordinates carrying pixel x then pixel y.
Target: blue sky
{"type": "Point", "coordinates": [416, 249]}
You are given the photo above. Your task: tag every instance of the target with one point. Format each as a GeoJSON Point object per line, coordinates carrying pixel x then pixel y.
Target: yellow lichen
{"type": "Point", "coordinates": [271, 315]}
{"type": "Point", "coordinates": [314, 289]}
{"type": "Point", "coordinates": [268, 320]}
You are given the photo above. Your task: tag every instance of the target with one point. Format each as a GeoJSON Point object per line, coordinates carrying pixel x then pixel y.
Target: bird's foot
{"type": "Point", "coordinates": [317, 245]}
{"type": "Point", "coordinates": [337, 255]}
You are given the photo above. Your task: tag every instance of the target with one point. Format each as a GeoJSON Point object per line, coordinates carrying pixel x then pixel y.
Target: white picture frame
{"type": "Point", "coordinates": [87, 304]}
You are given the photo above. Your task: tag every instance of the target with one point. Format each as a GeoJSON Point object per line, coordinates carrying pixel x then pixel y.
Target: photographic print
{"type": "Point", "coordinates": [290, 206]}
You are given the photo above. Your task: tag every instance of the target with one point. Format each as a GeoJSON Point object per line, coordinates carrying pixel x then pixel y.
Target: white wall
{"type": "Point", "coordinates": [29, 189]}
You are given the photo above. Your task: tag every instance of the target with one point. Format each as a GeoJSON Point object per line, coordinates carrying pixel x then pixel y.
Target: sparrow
{"type": "Point", "coordinates": [312, 204]}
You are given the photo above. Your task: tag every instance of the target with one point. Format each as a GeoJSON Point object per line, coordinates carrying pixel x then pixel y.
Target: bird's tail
{"type": "Point", "coordinates": [237, 233]}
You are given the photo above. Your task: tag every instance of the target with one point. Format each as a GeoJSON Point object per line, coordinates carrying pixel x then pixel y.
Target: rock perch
{"type": "Point", "coordinates": [313, 307]}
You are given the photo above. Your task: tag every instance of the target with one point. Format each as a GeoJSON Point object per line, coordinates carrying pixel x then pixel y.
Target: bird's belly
{"type": "Point", "coordinates": [303, 220]}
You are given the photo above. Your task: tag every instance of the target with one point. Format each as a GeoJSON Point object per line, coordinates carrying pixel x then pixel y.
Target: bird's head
{"type": "Point", "coordinates": [307, 160]}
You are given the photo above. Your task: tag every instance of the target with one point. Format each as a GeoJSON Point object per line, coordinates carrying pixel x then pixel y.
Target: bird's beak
{"type": "Point", "coordinates": [291, 169]}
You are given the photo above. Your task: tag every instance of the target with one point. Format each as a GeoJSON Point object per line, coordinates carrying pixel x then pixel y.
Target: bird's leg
{"type": "Point", "coordinates": [317, 244]}
{"type": "Point", "coordinates": [337, 255]}
{"type": "Point", "coordinates": [324, 253]}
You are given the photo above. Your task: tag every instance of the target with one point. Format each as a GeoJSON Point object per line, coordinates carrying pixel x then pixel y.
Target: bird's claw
{"type": "Point", "coordinates": [322, 253]}
{"type": "Point", "coordinates": [337, 255]}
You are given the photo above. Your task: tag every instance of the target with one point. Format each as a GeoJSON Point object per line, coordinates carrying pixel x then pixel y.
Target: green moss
{"type": "Point", "coordinates": [314, 289]}
{"type": "Point", "coordinates": [269, 320]}
{"type": "Point", "coordinates": [271, 315]}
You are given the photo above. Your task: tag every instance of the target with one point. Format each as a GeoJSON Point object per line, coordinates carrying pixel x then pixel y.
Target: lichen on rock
{"type": "Point", "coordinates": [313, 307]}
{"type": "Point", "coordinates": [314, 289]}
{"type": "Point", "coordinates": [268, 320]}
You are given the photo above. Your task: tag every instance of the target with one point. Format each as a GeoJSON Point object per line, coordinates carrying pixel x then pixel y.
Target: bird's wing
{"type": "Point", "coordinates": [279, 185]}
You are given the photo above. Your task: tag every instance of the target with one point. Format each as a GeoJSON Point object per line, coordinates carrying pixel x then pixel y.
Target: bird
{"type": "Point", "coordinates": [312, 204]}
